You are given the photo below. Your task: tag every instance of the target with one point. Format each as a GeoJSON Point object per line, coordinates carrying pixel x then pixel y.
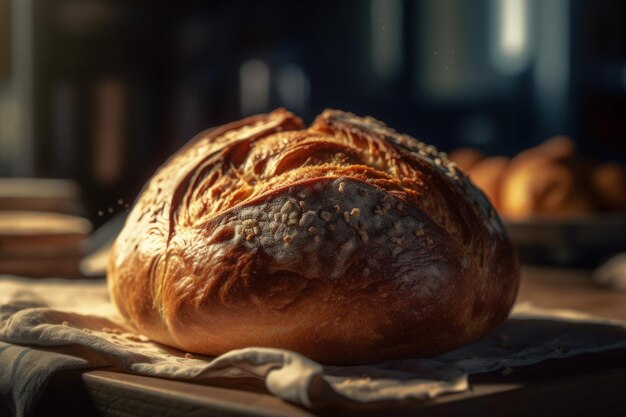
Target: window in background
{"type": "Point", "coordinates": [444, 50]}
{"type": "Point", "coordinates": [64, 108]}
{"type": "Point", "coordinates": [254, 87]}
{"type": "Point", "coordinates": [511, 45]}
{"type": "Point", "coordinates": [552, 67]}
{"type": "Point", "coordinates": [386, 31]}
{"type": "Point", "coordinates": [5, 40]}
{"type": "Point", "coordinates": [294, 89]}
{"type": "Point", "coordinates": [16, 87]}
{"type": "Point", "coordinates": [469, 100]}
{"type": "Point", "coordinates": [109, 130]}
{"type": "Point", "coordinates": [500, 75]}
{"type": "Point", "coordinates": [455, 53]}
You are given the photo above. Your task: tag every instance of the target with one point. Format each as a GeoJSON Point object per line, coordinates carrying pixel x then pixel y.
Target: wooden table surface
{"type": "Point", "coordinates": [588, 385]}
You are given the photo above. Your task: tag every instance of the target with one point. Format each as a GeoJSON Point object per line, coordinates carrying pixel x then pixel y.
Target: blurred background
{"type": "Point", "coordinates": [103, 91]}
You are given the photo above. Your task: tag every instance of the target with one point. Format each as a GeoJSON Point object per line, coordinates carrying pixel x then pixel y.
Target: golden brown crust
{"type": "Point", "coordinates": [345, 241]}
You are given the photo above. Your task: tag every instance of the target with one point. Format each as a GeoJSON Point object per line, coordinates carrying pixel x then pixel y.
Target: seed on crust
{"type": "Point", "coordinates": [325, 215]}
{"type": "Point", "coordinates": [249, 223]}
{"type": "Point", "coordinates": [355, 212]}
{"type": "Point", "coordinates": [286, 208]}
{"type": "Point", "coordinates": [287, 239]}
{"type": "Point", "coordinates": [342, 187]}
{"type": "Point", "coordinates": [312, 230]}
{"type": "Point", "coordinates": [307, 218]}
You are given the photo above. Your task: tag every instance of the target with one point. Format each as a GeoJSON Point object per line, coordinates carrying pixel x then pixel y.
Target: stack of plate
{"type": "Point", "coordinates": [39, 194]}
{"type": "Point", "coordinates": [38, 238]}
{"type": "Point", "coordinates": [39, 244]}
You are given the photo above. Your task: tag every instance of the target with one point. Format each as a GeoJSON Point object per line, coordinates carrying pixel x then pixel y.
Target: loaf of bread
{"type": "Point", "coordinates": [466, 158]}
{"type": "Point", "coordinates": [344, 241]}
{"type": "Point", "coordinates": [609, 182]}
{"type": "Point", "coordinates": [545, 180]}
{"type": "Point", "coordinates": [487, 176]}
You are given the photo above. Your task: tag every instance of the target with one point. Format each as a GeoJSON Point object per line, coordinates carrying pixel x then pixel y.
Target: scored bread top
{"type": "Point", "coordinates": [255, 225]}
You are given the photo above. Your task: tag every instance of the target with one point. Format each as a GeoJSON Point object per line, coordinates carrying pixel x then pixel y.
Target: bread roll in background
{"type": "Point", "coordinates": [465, 158]}
{"type": "Point", "coordinates": [487, 175]}
{"type": "Point", "coordinates": [345, 241]}
{"type": "Point", "coordinates": [557, 148]}
{"type": "Point", "coordinates": [609, 182]}
{"type": "Point", "coordinates": [545, 180]}
{"type": "Point", "coordinates": [549, 179]}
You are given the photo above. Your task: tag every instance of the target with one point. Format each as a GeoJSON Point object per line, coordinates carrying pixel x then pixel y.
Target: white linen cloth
{"type": "Point", "coordinates": [51, 325]}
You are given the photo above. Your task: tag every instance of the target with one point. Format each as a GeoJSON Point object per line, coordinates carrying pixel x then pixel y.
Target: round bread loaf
{"type": "Point", "coordinates": [344, 241]}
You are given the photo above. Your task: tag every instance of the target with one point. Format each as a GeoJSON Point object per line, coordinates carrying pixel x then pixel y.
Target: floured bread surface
{"type": "Point", "coordinates": [345, 241]}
